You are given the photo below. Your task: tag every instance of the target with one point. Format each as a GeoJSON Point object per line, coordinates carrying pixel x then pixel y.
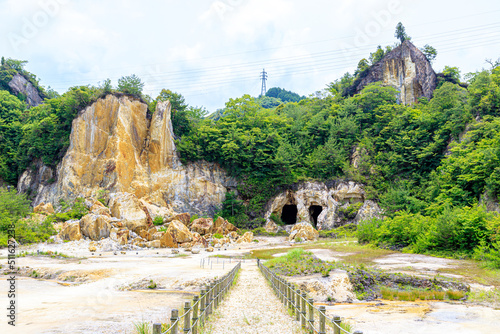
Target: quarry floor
{"type": "Point", "coordinates": [107, 293]}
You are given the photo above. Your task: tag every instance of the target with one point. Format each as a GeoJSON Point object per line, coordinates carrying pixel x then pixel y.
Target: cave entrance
{"type": "Point", "coordinates": [314, 211]}
{"type": "Point", "coordinates": [289, 214]}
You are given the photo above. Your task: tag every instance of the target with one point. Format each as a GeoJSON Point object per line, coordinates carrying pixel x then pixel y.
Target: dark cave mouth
{"type": "Point", "coordinates": [289, 214]}
{"type": "Point", "coordinates": [315, 211]}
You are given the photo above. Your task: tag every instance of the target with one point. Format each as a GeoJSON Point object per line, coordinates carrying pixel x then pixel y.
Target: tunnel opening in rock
{"type": "Point", "coordinates": [314, 211]}
{"type": "Point", "coordinates": [289, 214]}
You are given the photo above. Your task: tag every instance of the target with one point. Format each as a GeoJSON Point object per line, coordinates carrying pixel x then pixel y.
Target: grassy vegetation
{"type": "Point", "coordinates": [298, 262]}
{"type": "Point", "coordinates": [490, 297]}
{"type": "Point", "coordinates": [142, 327]}
{"type": "Point", "coordinates": [421, 294]}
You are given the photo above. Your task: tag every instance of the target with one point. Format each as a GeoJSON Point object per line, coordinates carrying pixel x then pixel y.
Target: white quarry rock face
{"type": "Point", "coordinates": [116, 147]}
{"type": "Point", "coordinates": [322, 206]}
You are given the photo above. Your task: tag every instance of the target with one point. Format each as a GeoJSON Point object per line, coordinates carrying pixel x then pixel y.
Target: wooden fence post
{"type": "Point", "coordinates": [322, 311]}
{"type": "Point", "coordinates": [310, 301]}
{"type": "Point", "coordinates": [175, 323]}
{"type": "Point", "coordinates": [297, 305]}
{"type": "Point", "coordinates": [336, 320]}
{"type": "Point", "coordinates": [156, 328]}
{"type": "Point", "coordinates": [303, 312]}
{"type": "Point", "coordinates": [187, 317]}
{"type": "Point", "coordinates": [195, 314]}
{"type": "Point", "coordinates": [209, 298]}
{"type": "Point", "coordinates": [202, 304]}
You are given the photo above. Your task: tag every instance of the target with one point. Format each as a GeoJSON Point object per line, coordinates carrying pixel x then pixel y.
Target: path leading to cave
{"type": "Point", "coordinates": [252, 307]}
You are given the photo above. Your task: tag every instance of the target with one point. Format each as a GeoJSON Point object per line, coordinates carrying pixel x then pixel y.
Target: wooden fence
{"type": "Point", "coordinates": [203, 305]}
{"type": "Point", "coordinates": [302, 307]}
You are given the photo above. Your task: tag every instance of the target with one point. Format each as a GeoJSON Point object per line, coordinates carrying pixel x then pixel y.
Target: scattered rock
{"type": "Point", "coordinates": [302, 232]}
{"type": "Point", "coordinates": [129, 209]}
{"type": "Point", "coordinates": [92, 247]}
{"type": "Point", "coordinates": [247, 237]}
{"type": "Point", "coordinates": [179, 232]}
{"type": "Point", "coordinates": [202, 225]}
{"type": "Point", "coordinates": [71, 231]}
{"type": "Point", "coordinates": [95, 227]}
{"type": "Point", "coordinates": [195, 251]}
{"type": "Point", "coordinates": [43, 208]}
{"type": "Point", "coordinates": [184, 218]}
{"type": "Point", "coordinates": [209, 249]}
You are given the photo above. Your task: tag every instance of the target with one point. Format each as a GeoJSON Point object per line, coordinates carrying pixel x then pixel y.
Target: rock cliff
{"type": "Point", "coordinates": [19, 85]}
{"type": "Point", "coordinates": [405, 68]}
{"type": "Point", "coordinates": [116, 147]}
{"type": "Point", "coordinates": [325, 206]}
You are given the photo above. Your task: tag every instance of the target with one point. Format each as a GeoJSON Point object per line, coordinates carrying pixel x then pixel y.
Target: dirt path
{"type": "Point", "coordinates": [252, 307]}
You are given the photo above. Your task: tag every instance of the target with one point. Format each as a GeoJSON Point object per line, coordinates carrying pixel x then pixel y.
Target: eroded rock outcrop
{"type": "Point", "coordinates": [19, 85]}
{"type": "Point", "coordinates": [115, 146]}
{"type": "Point", "coordinates": [405, 68]}
{"type": "Point", "coordinates": [322, 205]}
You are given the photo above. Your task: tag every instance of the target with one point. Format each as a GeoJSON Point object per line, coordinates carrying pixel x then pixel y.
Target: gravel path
{"type": "Point", "coordinates": [252, 307]}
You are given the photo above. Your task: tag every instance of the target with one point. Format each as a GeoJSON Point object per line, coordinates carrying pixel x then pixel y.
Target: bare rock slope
{"type": "Point", "coordinates": [405, 68]}
{"type": "Point", "coordinates": [116, 147]}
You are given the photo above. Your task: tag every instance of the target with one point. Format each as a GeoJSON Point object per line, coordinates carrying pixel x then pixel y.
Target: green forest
{"type": "Point", "coordinates": [433, 166]}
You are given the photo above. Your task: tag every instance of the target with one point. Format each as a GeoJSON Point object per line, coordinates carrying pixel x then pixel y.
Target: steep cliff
{"type": "Point", "coordinates": [116, 147]}
{"type": "Point", "coordinates": [405, 68]}
{"type": "Point", "coordinates": [19, 85]}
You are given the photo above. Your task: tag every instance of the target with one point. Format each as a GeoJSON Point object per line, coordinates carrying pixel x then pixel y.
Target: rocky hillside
{"type": "Point", "coordinates": [115, 146]}
{"type": "Point", "coordinates": [405, 68]}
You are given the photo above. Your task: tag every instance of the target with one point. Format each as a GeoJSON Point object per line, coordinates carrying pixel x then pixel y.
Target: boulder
{"type": "Point", "coordinates": [167, 240]}
{"type": "Point", "coordinates": [303, 231]}
{"type": "Point", "coordinates": [233, 235]}
{"type": "Point", "coordinates": [202, 225]}
{"type": "Point", "coordinates": [195, 251]}
{"type": "Point", "coordinates": [200, 241]}
{"type": "Point", "coordinates": [139, 242]}
{"type": "Point", "coordinates": [209, 249]}
{"type": "Point", "coordinates": [130, 211]}
{"type": "Point", "coordinates": [247, 237]}
{"type": "Point", "coordinates": [179, 232]}
{"type": "Point", "coordinates": [98, 208]}
{"type": "Point", "coordinates": [95, 227]}
{"type": "Point", "coordinates": [154, 210]}
{"type": "Point", "coordinates": [119, 234]}
{"type": "Point", "coordinates": [92, 247]}
{"type": "Point", "coordinates": [71, 231]}
{"type": "Point", "coordinates": [157, 236]}
{"type": "Point", "coordinates": [271, 226]}
{"type": "Point", "coordinates": [223, 227]}
{"type": "Point", "coordinates": [184, 218]}
{"type": "Point", "coordinates": [43, 208]}
{"type": "Point", "coordinates": [153, 244]}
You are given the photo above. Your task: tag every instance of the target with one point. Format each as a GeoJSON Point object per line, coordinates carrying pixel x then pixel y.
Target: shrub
{"type": "Point", "coordinates": [218, 236]}
{"type": "Point", "coordinates": [158, 220]}
{"type": "Point", "coordinates": [275, 218]}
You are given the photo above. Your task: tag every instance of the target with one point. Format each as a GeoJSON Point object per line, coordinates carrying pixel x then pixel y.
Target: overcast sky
{"type": "Point", "coordinates": [211, 50]}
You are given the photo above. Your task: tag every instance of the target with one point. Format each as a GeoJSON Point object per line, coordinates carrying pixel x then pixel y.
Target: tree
{"type": "Point", "coordinates": [429, 52]}
{"type": "Point", "coordinates": [363, 65]}
{"type": "Point", "coordinates": [377, 55]}
{"type": "Point", "coordinates": [452, 73]}
{"type": "Point", "coordinates": [401, 33]}
{"type": "Point", "coordinates": [131, 84]}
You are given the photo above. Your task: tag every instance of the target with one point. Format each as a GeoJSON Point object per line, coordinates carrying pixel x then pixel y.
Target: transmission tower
{"type": "Point", "coordinates": [263, 76]}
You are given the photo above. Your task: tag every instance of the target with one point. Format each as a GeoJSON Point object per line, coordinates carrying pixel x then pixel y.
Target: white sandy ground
{"type": "Point", "coordinates": [252, 308]}
{"type": "Point", "coordinates": [102, 306]}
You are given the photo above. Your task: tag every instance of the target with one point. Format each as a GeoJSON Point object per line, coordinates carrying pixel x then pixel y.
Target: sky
{"type": "Point", "coordinates": [213, 50]}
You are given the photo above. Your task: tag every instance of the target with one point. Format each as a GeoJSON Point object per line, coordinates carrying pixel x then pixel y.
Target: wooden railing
{"type": "Point", "coordinates": [302, 307]}
{"type": "Point", "coordinates": [196, 314]}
